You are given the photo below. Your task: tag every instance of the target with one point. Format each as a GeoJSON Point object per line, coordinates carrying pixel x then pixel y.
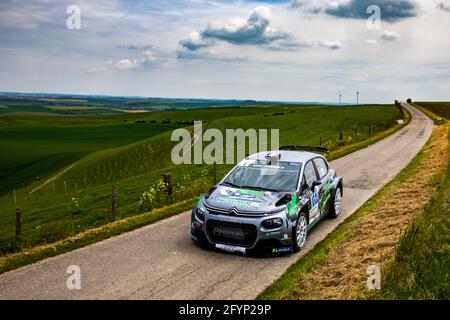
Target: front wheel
{"type": "Point", "coordinates": [300, 232]}
{"type": "Point", "coordinates": [336, 206]}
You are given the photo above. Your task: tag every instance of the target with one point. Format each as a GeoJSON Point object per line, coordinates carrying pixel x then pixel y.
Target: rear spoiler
{"type": "Point", "coordinates": [304, 148]}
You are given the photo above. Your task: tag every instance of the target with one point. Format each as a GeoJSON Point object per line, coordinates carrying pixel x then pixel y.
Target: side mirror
{"type": "Point", "coordinates": [284, 200]}
{"type": "Point", "coordinates": [315, 184]}
{"type": "Point", "coordinates": [305, 186]}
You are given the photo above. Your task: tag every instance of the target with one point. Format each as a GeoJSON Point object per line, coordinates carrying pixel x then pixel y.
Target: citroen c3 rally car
{"type": "Point", "coordinates": [268, 202]}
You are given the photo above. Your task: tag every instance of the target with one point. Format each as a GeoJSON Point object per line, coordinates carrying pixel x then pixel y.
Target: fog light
{"type": "Point", "coordinates": [272, 223]}
{"type": "Point", "coordinates": [199, 214]}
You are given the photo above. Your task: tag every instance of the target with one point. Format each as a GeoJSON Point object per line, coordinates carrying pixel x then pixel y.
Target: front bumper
{"type": "Point", "coordinates": [243, 234]}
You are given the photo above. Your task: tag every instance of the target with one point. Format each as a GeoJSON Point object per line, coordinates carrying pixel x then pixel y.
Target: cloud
{"type": "Point", "coordinates": [209, 55]}
{"type": "Point", "coordinates": [195, 41]}
{"type": "Point", "coordinates": [255, 30]}
{"type": "Point", "coordinates": [148, 59]}
{"type": "Point", "coordinates": [135, 47]}
{"type": "Point", "coordinates": [333, 45]}
{"type": "Point", "coordinates": [391, 10]}
{"type": "Point", "coordinates": [389, 35]}
{"type": "Point", "coordinates": [444, 7]}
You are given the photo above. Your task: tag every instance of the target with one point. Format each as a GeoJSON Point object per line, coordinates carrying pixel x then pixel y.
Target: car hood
{"type": "Point", "coordinates": [243, 200]}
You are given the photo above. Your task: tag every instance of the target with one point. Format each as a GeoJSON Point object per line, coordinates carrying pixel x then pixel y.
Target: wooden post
{"type": "Point", "coordinates": [113, 201]}
{"type": "Point", "coordinates": [168, 183]}
{"type": "Point", "coordinates": [65, 187]}
{"type": "Point", "coordinates": [84, 185]}
{"type": "Point", "coordinates": [341, 136]}
{"type": "Point", "coordinates": [320, 141]}
{"type": "Point", "coordinates": [14, 195]}
{"type": "Point", "coordinates": [18, 224]}
{"type": "Point", "coordinates": [215, 173]}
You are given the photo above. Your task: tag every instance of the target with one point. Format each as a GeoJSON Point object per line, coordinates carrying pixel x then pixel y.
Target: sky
{"type": "Point", "coordinates": [277, 50]}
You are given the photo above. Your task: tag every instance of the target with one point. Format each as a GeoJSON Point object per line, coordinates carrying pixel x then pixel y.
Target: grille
{"type": "Point", "coordinates": [231, 233]}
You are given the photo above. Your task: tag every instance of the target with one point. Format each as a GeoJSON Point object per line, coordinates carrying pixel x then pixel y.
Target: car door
{"type": "Point", "coordinates": [322, 171]}
{"type": "Point", "coordinates": [309, 190]}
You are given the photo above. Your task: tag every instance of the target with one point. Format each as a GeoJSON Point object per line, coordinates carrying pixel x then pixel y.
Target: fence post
{"type": "Point", "coordinates": [113, 201]}
{"type": "Point", "coordinates": [320, 141]}
{"type": "Point", "coordinates": [15, 200]}
{"type": "Point", "coordinates": [65, 187]}
{"type": "Point", "coordinates": [341, 136]}
{"type": "Point", "coordinates": [168, 183]}
{"type": "Point", "coordinates": [215, 173]}
{"type": "Point", "coordinates": [84, 185]}
{"type": "Point", "coordinates": [18, 224]}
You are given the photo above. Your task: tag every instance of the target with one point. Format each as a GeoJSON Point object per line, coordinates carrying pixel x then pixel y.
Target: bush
{"type": "Point", "coordinates": [156, 196]}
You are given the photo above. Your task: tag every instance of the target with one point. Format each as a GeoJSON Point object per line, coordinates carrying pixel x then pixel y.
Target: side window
{"type": "Point", "coordinates": [322, 167]}
{"type": "Point", "coordinates": [310, 174]}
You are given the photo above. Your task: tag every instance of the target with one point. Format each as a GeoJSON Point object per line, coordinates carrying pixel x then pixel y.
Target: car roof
{"type": "Point", "coordinates": [291, 156]}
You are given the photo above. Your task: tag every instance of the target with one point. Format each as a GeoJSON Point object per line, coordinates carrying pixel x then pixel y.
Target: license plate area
{"type": "Point", "coordinates": [229, 232]}
{"type": "Point", "coordinates": [232, 249]}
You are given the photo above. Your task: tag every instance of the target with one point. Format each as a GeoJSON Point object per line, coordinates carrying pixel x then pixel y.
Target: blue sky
{"type": "Point", "coordinates": [296, 50]}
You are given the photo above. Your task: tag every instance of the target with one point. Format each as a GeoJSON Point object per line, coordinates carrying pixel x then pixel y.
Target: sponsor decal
{"type": "Point", "coordinates": [200, 200]}
{"type": "Point", "coordinates": [240, 202]}
{"type": "Point", "coordinates": [292, 206]}
{"type": "Point", "coordinates": [282, 250]}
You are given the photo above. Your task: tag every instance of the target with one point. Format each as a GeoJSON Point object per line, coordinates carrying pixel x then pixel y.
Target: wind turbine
{"type": "Point", "coordinates": [340, 99]}
{"type": "Point", "coordinates": [357, 97]}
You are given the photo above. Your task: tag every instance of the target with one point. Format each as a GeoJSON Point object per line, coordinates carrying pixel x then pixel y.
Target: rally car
{"type": "Point", "coordinates": [268, 202]}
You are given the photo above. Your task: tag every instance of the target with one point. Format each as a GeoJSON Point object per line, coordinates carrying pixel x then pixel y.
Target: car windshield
{"type": "Point", "coordinates": [265, 175]}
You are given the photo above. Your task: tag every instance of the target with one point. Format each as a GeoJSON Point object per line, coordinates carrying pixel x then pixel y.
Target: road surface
{"type": "Point", "coordinates": [159, 261]}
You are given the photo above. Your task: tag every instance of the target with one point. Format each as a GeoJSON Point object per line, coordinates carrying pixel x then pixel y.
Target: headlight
{"type": "Point", "coordinates": [272, 223]}
{"type": "Point", "coordinates": [199, 214]}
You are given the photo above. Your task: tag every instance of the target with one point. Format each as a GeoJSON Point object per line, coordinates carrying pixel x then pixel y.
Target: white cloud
{"type": "Point", "coordinates": [195, 41]}
{"type": "Point", "coordinates": [333, 45]}
{"type": "Point", "coordinates": [148, 59]}
{"type": "Point", "coordinates": [389, 35]}
{"type": "Point", "coordinates": [372, 42]}
{"type": "Point", "coordinates": [255, 30]}
{"type": "Point", "coordinates": [443, 6]}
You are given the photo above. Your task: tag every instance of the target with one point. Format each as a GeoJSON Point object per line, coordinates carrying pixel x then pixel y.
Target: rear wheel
{"type": "Point", "coordinates": [300, 232]}
{"type": "Point", "coordinates": [336, 206]}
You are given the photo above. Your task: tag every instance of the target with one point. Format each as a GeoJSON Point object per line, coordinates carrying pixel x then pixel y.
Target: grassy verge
{"type": "Point", "coordinates": [421, 265]}
{"type": "Point", "coordinates": [421, 268]}
{"type": "Point", "coordinates": [340, 243]}
{"type": "Point", "coordinates": [13, 261]}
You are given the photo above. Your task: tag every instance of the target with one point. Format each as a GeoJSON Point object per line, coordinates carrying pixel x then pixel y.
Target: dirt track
{"type": "Point", "coordinates": [159, 261]}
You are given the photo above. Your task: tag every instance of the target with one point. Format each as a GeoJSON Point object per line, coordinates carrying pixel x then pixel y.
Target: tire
{"type": "Point", "coordinates": [300, 232]}
{"type": "Point", "coordinates": [336, 205]}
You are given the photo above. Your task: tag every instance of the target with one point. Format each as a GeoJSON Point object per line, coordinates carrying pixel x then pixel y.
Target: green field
{"type": "Point", "coordinates": [441, 109]}
{"type": "Point", "coordinates": [132, 151]}
{"type": "Point", "coordinates": [34, 147]}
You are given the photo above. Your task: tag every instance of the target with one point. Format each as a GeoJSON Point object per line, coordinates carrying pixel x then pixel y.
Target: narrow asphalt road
{"type": "Point", "coordinates": [159, 261]}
